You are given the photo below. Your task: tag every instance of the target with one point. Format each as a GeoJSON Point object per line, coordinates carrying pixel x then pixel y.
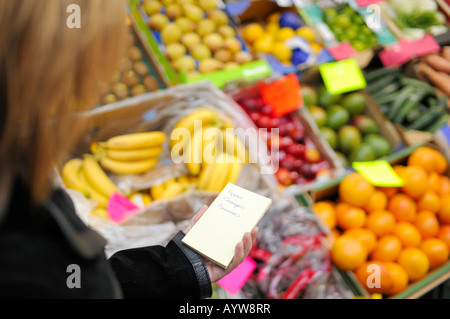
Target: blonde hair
{"type": "Point", "coordinates": [49, 73]}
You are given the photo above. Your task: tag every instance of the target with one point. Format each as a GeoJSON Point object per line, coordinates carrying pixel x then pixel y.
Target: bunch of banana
{"type": "Point", "coordinates": [171, 188]}
{"type": "Point", "coordinates": [140, 198]}
{"type": "Point", "coordinates": [215, 176]}
{"type": "Point", "coordinates": [133, 153]}
{"type": "Point", "coordinates": [86, 176]}
{"type": "Point", "coordinates": [204, 142]}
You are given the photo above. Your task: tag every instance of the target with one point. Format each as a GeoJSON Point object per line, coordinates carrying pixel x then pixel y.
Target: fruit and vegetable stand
{"type": "Point", "coordinates": [337, 110]}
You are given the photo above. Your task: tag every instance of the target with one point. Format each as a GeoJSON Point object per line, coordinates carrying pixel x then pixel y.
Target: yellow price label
{"type": "Point", "coordinates": [342, 76]}
{"type": "Point", "coordinates": [378, 173]}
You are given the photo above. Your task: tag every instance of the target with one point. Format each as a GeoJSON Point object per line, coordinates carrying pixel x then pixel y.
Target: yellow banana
{"type": "Point", "coordinates": [194, 153]}
{"type": "Point", "coordinates": [100, 198]}
{"type": "Point", "coordinates": [146, 198]}
{"type": "Point", "coordinates": [137, 199]}
{"type": "Point", "coordinates": [71, 175]}
{"type": "Point", "coordinates": [173, 190]}
{"type": "Point", "coordinates": [183, 179]}
{"type": "Point", "coordinates": [233, 145]}
{"type": "Point", "coordinates": [100, 212]}
{"type": "Point", "coordinates": [135, 140]}
{"type": "Point", "coordinates": [212, 144]}
{"type": "Point", "coordinates": [133, 155]}
{"type": "Point", "coordinates": [156, 191]}
{"type": "Point", "coordinates": [169, 181]}
{"type": "Point", "coordinates": [217, 175]}
{"type": "Point", "coordinates": [205, 176]}
{"type": "Point", "coordinates": [136, 167]}
{"type": "Point", "coordinates": [206, 116]}
{"type": "Point", "coordinates": [97, 177]}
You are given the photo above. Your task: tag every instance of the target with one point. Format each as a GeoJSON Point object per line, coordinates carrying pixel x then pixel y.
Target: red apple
{"type": "Point", "coordinates": [288, 162]}
{"type": "Point", "coordinates": [267, 110]}
{"type": "Point", "coordinates": [298, 163]}
{"type": "Point", "coordinates": [264, 121]}
{"type": "Point", "coordinates": [254, 116]}
{"type": "Point", "coordinates": [297, 134]}
{"type": "Point", "coordinates": [294, 175]}
{"type": "Point", "coordinates": [283, 176]}
{"type": "Point", "coordinates": [285, 142]}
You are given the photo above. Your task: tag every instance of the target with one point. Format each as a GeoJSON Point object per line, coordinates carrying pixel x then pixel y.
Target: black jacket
{"type": "Point", "coordinates": [38, 247]}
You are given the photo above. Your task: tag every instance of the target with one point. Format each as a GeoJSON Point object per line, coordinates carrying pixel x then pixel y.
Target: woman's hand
{"type": "Point", "coordinates": [241, 251]}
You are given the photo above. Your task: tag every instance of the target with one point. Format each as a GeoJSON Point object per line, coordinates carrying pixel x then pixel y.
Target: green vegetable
{"type": "Point", "coordinates": [427, 118]}
{"type": "Point", "coordinates": [409, 106]}
{"type": "Point", "coordinates": [403, 96]}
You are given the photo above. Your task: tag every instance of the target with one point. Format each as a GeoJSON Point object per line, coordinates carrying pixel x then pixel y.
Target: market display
{"type": "Point", "coordinates": [342, 123]}
{"type": "Point", "coordinates": [395, 228]}
{"type": "Point", "coordinates": [196, 37]}
{"type": "Point", "coordinates": [148, 163]}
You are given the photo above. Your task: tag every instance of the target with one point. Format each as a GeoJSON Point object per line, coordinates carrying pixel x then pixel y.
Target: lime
{"type": "Point", "coordinates": [343, 21]}
{"type": "Point", "coordinates": [354, 103]}
{"type": "Point", "coordinates": [349, 138]}
{"type": "Point", "coordinates": [341, 158]}
{"type": "Point", "coordinates": [337, 116]}
{"type": "Point", "coordinates": [362, 153]}
{"type": "Point", "coordinates": [379, 144]}
{"type": "Point", "coordinates": [309, 95]}
{"type": "Point", "coordinates": [330, 136]}
{"type": "Point", "coordinates": [318, 114]}
{"type": "Point", "coordinates": [329, 15]}
{"type": "Point", "coordinates": [365, 124]}
{"type": "Point", "coordinates": [326, 98]}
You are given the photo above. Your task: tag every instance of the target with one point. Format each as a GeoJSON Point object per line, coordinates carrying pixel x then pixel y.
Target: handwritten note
{"type": "Point", "coordinates": [342, 76]}
{"type": "Point", "coordinates": [284, 95]}
{"type": "Point", "coordinates": [120, 208]}
{"type": "Point", "coordinates": [378, 173]}
{"type": "Point", "coordinates": [234, 212]}
{"type": "Point", "coordinates": [235, 280]}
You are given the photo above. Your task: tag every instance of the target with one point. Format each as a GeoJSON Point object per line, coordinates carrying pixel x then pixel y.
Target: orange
{"type": "Point", "coordinates": [434, 182]}
{"type": "Point", "coordinates": [387, 248]}
{"type": "Point", "coordinates": [423, 157]}
{"type": "Point", "coordinates": [444, 234]}
{"type": "Point", "coordinates": [355, 189]}
{"type": "Point", "coordinates": [408, 234]}
{"type": "Point", "coordinates": [429, 201]}
{"type": "Point", "coordinates": [436, 251]}
{"type": "Point", "coordinates": [440, 162]}
{"type": "Point", "coordinates": [377, 201]}
{"type": "Point", "coordinates": [427, 224]}
{"type": "Point", "coordinates": [415, 263]}
{"type": "Point", "coordinates": [380, 222]}
{"type": "Point", "coordinates": [365, 236]}
{"type": "Point", "coordinates": [399, 168]}
{"type": "Point", "coordinates": [325, 211]}
{"type": "Point", "coordinates": [332, 236]}
{"type": "Point", "coordinates": [403, 207]}
{"type": "Point", "coordinates": [444, 188]}
{"type": "Point", "coordinates": [374, 276]}
{"type": "Point", "coordinates": [399, 278]}
{"type": "Point", "coordinates": [444, 212]}
{"type": "Point", "coordinates": [388, 191]}
{"type": "Point", "coordinates": [416, 181]}
{"type": "Point", "coordinates": [348, 253]}
{"type": "Point", "coordinates": [348, 216]}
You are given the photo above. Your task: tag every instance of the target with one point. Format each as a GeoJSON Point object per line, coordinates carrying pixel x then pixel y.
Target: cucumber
{"type": "Point", "coordinates": [374, 87]}
{"type": "Point", "coordinates": [417, 84]}
{"type": "Point", "coordinates": [391, 88]}
{"type": "Point", "coordinates": [379, 73]}
{"type": "Point", "coordinates": [427, 118]}
{"type": "Point", "coordinates": [437, 125]}
{"type": "Point", "coordinates": [388, 98]}
{"type": "Point", "coordinates": [413, 115]}
{"type": "Point", "coordinates": [409, 105]}
{"type": "Point", "coordinates": [402, 98]}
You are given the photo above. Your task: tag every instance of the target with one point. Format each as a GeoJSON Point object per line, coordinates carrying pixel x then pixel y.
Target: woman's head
{"type": "Point", "coordinates": [49, 73]}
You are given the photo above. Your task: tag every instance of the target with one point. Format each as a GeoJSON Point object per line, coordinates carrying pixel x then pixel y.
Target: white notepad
{"type": "Point", "coordinates": [234, 212]}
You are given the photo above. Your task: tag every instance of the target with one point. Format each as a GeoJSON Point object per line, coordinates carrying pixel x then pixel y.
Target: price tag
{"type": "Point", "coordinates": [342, 51]}
{"type": "Point", "coordinates": [284, 95]}
{"type": "Point", "coordinates": [342, 76]}
{"type": "Point", "coordinates": [234, 281]}
{"type": "Point", "coordinates": [378, 173]}
{"type": "Point", "coordinates": [396, 54]}
{"type": "Point", "coordinates": [424, 46]}
{"type": "Point", "coordinates": [365, 3]}
{"type": "Point", "coordinates": [120, 208]}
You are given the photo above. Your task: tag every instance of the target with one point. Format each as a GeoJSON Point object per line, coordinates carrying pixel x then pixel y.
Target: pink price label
{"type": "Point", "coordinates": [365, 3]}
{"type": "Point", "coordinates": [235, 280]}
{"type": "Point", "coordinates": [120, 208]}
{"type": "Point", "coordinates": [342, 51]}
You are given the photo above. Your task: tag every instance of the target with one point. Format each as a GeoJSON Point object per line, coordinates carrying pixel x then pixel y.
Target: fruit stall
{"type": "Point", "coordinates": [336, 110]}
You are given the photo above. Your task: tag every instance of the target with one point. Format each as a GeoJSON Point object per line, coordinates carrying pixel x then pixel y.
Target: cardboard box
{"type": "Point", "coordinates": [259, 11]}
{"type": "Point", "coordinates": [313, 78]}
{"type": "Point", "coordinates": [414, 289]}
{"type": "Point", "coordinates": [313, 13]}
{"type": "Point", "coordinates": [251, 70]}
